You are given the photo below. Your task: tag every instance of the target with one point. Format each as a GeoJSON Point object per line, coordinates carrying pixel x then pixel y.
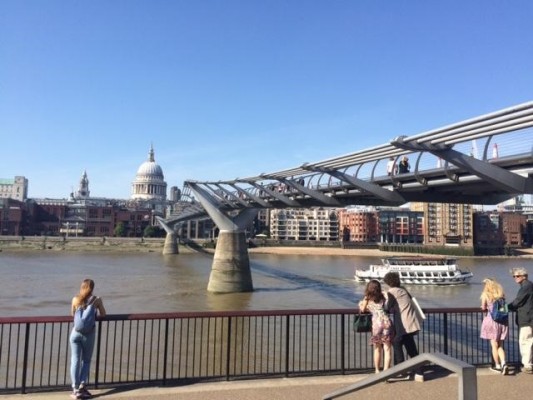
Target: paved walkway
{"type": "Point", "coordinates": [438, 386]}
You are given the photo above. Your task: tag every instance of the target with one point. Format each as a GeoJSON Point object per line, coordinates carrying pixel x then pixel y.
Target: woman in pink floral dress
{"type": "Point", "coordinates": [382, 328]}
{"type": "Point", "coordinates": [490, 329]}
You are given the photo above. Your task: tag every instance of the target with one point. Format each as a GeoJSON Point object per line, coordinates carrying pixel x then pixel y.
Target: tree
{"type": "Point", "coordinates": [153, 231]}
{"type": "Point", "coordinates": [120, 230]}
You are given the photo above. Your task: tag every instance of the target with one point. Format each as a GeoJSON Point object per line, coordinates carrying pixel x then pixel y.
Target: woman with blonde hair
{"type": "Point", "coordinates": [491, 330]}
{"type": "Point", "coordinates": [82, 341]}
{"type": "Point", "coordinates": [382, 329]}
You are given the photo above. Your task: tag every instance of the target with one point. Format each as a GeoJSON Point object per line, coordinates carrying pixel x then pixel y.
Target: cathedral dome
{"type": "Point", "coordinates": [150, 168]}
{"type": "Point", "coordinates": [149, 183]}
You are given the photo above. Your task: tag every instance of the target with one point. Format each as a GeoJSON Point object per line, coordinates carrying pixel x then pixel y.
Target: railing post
{"type": "Point", "coordinates": [343, 343]}
{"type": "Point", "coordinates": [165, 353]}
{"type": "Point", "coordinates": [97, 366]}
{"type": "Point", "coordinates": [445, 330]}
{"type": "Point", "coordinates": [228, 350]}
{"type": "Point", "coordinates": [25, 359]}
{"type": "Point", "coordinates": [287, 344]}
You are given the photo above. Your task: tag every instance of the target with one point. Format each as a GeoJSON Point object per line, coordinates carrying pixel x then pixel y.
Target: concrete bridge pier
{"type": "Point", "coordinates": [171, 244]}
{"type": "Point", "coordinates": [171, 240]}
{"type": "Point", "coordinates": [230, 271]}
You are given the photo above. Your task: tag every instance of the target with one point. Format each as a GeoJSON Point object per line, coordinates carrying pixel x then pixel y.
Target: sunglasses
{"type": "Point", "coordinates": [517, 276]}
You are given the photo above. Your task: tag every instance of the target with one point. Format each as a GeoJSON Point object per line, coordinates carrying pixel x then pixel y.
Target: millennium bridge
{"type": "Point", "coordinates": [483, 160]}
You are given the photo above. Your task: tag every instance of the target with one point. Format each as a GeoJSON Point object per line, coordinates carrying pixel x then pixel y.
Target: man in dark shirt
{"type": "Point", "coordinates": [523, 305]}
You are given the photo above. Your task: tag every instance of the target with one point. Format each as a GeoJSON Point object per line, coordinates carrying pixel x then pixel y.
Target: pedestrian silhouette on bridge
{"type": "Point", "coordinates": [392, 169]}
{"type": "Point", "coordinates": [404, 165]}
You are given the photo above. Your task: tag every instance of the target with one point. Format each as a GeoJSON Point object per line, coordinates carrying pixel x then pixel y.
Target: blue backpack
{"type": "Point", "coordinates": [500, 313]}
{"type": "Point", "coordinates": [85, 317]}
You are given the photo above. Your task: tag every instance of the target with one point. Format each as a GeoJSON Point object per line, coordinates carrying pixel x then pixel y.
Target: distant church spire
{"type": "Point", "coordinates": [83, 190]}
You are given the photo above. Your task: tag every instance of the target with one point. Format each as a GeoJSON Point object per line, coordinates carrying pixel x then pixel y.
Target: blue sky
{"type": "Point", "coordinates": [234, 88]}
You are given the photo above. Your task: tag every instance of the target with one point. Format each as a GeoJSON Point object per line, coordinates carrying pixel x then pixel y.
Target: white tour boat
{"type": "Point", "coordinates": [417, 271]}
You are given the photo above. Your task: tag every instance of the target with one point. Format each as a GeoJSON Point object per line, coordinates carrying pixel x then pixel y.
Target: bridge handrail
{"type": "Point", "coordinates": [511, 114]}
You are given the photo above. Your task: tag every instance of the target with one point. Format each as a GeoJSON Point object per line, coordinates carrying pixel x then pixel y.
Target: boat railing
{"type": "Point", "coordinates": [174, 348]}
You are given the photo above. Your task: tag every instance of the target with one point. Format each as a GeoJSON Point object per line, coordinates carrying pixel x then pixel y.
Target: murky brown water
{"type": "Point", "coordinates": [43, 283]}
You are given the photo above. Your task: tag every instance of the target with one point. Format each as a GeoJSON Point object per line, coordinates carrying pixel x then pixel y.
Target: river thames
{"type": "Point", "coordinates": [43, 283]}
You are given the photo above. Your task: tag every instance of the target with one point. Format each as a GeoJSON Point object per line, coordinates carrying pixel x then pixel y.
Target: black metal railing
{"type": "Point", "coordinates": [159, 348]}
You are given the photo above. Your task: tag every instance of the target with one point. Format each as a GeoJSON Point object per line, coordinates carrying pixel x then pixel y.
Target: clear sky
{"type": "Point", "coordinates": [233, 88]}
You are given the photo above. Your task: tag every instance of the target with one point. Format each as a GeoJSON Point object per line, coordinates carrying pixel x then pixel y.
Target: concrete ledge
{"type": "Point", "coordinates": [467, 375]}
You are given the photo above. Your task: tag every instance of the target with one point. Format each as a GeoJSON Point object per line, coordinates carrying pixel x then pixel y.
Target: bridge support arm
{"type": "Point", "coordinates": [328, 201]}
{"type": "Point", "coordinates": [255, 198]}
{"type": "Point", "coordinates": [499, 177]}
{"type": "Point", "coordinates": [376, 190]}
{"type": "Point", "coordinates": [171, 239]}
{"type": "Point", "coordinates": [230, 194]}
{"type": "Point", "coordinates": [278, 196]}
{"type": "Point", "coordinates": [221, 219]}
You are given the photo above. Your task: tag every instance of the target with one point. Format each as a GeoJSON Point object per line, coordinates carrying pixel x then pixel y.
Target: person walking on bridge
{"type": "Point", "coordinates": [404, 165]}
{"type": "Point", "coordinates": [523, 305]}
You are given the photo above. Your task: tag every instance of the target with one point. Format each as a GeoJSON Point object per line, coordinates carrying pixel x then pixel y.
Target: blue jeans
{"type": "Point", "coordinates": [81, 348]}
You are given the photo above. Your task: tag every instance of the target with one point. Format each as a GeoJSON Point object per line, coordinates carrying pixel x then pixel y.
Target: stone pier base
{"type": "Point", "coordinates": [171, 244]}
{"type": "Point", "coordinates": [230, 272]}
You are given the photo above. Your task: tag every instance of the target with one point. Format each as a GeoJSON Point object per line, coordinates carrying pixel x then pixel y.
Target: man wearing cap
{"type": "Point", "coordinates": [523, 305]}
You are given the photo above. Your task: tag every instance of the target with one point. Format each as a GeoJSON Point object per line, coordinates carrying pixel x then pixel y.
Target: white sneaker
{"type": "Point", "coordinates": [419, 377]}
{"type": "Point", "coordinates": [399, 378]}
{"type": "Point", "coordinates": [505, 369]}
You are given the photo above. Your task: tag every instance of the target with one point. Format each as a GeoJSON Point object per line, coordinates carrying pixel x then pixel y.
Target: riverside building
{"type": "Point", "coordinates": [447, 224]}
{"type": "Point", "coordinates": [381, 225]}
{"type": "Point", "coordinates": [308, 224]}
{"type": "Point", "coordinates": [16, 188]}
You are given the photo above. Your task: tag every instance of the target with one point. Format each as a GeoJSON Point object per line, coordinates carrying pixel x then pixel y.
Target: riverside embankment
{"type": "Point", "coordinates": [119, 244]}
{"type": "Point", "coordinates": [100, 244]}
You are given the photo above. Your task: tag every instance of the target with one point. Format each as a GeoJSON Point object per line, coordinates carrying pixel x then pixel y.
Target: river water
{"type": "Point", "coordinates": [43, 283]}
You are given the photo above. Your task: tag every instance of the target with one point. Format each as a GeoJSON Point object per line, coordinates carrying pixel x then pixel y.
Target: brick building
{"type": "Point", "coordinates": [13, 217]}
{"type": "Point", "coordinates": [358, 224]}
{"type": "Point", "coordinates": [447, 224]}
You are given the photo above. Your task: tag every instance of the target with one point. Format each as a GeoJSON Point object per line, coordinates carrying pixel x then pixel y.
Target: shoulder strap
{"type": "Point", "coordinates": [406, 291]}
{"type": "Point", "coordinates": [92, 299]}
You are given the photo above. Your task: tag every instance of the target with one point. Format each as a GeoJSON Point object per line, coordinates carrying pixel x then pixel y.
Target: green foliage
{"type": "Point", "coordinates": [153, 231]}
{"type": "Point", "coordinates": [120, 230]}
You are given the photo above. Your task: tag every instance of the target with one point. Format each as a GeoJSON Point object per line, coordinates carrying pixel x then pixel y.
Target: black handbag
{"type": "Point", "coordinates": [362, 322]}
